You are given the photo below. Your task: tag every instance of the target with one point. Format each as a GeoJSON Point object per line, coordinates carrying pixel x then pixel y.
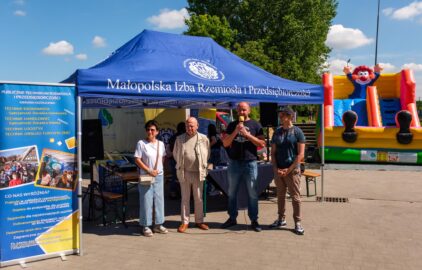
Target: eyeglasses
{"type": "Point", "coordinates": [151, 129]}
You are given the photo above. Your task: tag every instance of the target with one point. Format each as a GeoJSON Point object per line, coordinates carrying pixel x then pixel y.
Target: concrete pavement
{"type": "Point", "coordinates": [379, 228]}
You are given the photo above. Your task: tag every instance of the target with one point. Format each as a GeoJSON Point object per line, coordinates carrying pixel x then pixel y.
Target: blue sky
{"type": "Point", "coordinates": [45, 41]}
{"type": "Point", "coordinates": [353, 33]}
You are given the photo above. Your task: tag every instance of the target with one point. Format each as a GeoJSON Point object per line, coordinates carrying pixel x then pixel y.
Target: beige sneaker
{"type": "Point", "coordinates": [160, 229]}
{"type": "Point", "coordinates": [146, 231]}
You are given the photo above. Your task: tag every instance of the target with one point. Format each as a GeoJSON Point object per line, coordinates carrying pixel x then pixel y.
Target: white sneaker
{"type": "Point", "coordinates": [146, 231]}
{"type": "Point", "coordinates": [299, 229]}
{"type": "Point", "coordinates": [160, 229]}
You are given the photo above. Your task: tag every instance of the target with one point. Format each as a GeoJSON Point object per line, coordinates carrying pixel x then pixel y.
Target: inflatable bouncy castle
{"type": "Point", "coordinates": [371, 117]}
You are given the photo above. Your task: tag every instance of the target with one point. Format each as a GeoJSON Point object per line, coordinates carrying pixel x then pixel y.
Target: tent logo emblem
{"type": "Point", "coordinates": [203, 70]}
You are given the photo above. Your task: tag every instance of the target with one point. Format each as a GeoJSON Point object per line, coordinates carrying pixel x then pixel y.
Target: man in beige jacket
{"type": "Point", "coordinates": [191, 152]}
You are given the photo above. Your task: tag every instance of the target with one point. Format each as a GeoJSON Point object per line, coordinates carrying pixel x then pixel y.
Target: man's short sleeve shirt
{"type": "Point", "coordinates": [241, 148]}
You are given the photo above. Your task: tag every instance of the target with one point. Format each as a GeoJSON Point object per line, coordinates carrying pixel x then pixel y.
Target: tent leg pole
{"type": "Point", "coordinates": [322, 151]}
{"type": "Point", "coordinates": [79, 157]}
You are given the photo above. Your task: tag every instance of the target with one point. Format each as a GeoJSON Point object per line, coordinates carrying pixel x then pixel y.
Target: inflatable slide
{"type": "Point", "coordinates": [371, 117]}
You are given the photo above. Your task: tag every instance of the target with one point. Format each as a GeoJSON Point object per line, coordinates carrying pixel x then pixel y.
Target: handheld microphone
{"type": "Point", "coordinates": [241, 121]}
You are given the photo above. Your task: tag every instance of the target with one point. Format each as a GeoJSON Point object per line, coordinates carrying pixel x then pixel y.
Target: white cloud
{"type": "Point", "coordinates": [340, 38]}
{"type": "Point", "coordinates": [408, 12]}
{"type": "Point", "coordinates": [20, 13]}
{"type": "Point", "coordinates": [169, 19]}
{"type": "Point", "coordinates": [99, 42]}
{"type": "Point", "coordinates": [389, 68]}
{"type": "Point", "coordinates": [81, 56]}
{"type": "Point", "coordinates": [59, 48]}
{"type": "Point", "coordinates": [413, 66]}
{"type": "Point", "coordinates": [387, 11]}
{"type": "Point", "coordinates": [335, 66]}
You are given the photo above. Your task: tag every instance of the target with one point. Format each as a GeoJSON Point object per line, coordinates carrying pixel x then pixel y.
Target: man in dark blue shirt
{"type": "Point", "coordinates": [287, 151]}
{"type": "Point", "coordinates": [242, 139]}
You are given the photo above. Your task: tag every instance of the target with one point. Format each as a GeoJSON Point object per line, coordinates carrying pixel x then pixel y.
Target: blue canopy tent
{"type": "Point", "coordinates": [157, 69]}
{"type": "Point", "coordinates": [165, 70]}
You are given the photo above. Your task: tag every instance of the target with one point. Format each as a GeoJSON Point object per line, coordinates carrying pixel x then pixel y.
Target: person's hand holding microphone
{"type": "Point", "coordinates": [242, 130]}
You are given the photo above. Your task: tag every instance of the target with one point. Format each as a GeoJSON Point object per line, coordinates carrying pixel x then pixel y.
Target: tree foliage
{"type": "Point", "coordinates": [212, 26]}
{"type": "Point", "coordinates": [254, 52]}
{"type": "Point", "coordinates": [285, 37]}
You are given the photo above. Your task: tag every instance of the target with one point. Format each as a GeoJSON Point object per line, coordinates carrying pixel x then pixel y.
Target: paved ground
{"type": "Point", "coordinates": [380, 228]}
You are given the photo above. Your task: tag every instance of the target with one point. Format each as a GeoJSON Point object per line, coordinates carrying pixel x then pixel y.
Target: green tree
{"type": "Point", "coordinates": [254, 52]}
{"type": "Point", "coordinates": [285, 37]}
{"type": "Point", "coordinates": [254, 113]}
{"type": "Point", "coordinates": [212, 26]}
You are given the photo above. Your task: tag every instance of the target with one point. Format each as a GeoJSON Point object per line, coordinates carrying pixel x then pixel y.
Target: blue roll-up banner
{"type": "Point", "coordinates": [38, 172]}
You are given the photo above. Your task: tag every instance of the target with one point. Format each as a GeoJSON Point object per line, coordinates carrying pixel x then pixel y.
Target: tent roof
{"type": "Point", "coordinates": [160, 69]}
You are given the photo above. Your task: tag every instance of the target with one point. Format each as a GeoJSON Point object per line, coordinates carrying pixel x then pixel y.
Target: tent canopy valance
{"type": "Point", "coordinates": [168, 70]}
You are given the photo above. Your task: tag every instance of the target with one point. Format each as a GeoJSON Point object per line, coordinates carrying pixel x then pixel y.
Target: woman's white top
{"type": "Point", "coordinates": [147, 152]}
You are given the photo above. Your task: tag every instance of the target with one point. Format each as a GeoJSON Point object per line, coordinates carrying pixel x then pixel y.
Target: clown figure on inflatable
{"type": "Point", "coordinates": [362, 77]}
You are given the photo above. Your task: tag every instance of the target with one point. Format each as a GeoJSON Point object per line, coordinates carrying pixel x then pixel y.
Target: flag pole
{"type": "Point", "coordinates": [376, 39]}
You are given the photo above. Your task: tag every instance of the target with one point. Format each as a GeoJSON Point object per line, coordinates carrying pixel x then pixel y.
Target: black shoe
{"type": "Point", "coordinates": [255, 226]}
{"type": "Point", "coordinates": [229, 223]}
